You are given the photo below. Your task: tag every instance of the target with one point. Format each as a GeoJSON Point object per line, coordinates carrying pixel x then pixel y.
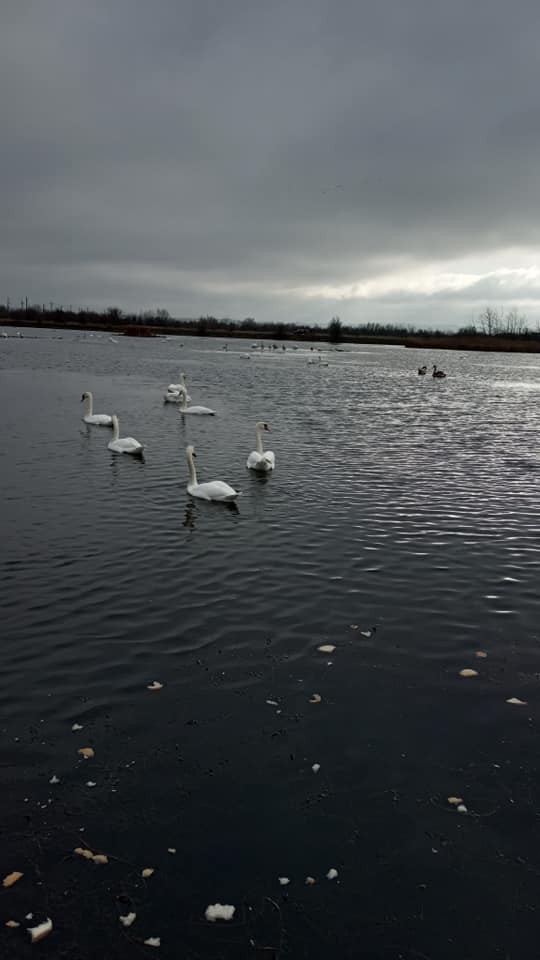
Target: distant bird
{"type": "Point", "coordinates": [212, 490]}
{"type": "Point", "coordinates": [261, 460]}
{"type": "Point", "coordinates": [175, 387]}
{"type": "Point", "coordinates": [422, 371]}
{"type": "Point", "coordinates": [438, 373]}
{"type": "Point", "coordinates": [95, 419]}
{"type": "Point", "coordinates": [120, 444]}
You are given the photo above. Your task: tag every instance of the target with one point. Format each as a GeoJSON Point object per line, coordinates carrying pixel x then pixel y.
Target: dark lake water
{"type": "Point", "coordinates": [402, 525]}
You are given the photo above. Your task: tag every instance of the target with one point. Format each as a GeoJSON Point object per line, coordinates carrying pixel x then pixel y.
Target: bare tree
{"type": "Point", "coordinates": [490, 322]}
{"type": "Point", "coordinates": [516, 323]}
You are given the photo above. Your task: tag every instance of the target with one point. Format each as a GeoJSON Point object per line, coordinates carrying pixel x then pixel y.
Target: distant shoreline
{"type": "Point", "coordinates": [451, 341]}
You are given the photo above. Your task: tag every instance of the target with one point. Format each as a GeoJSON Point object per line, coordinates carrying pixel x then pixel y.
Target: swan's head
{"type": "Point", "coordinates": [261, 425]}
{"type": "Point", "coordinates": [190, 452]}
{"type": "Point", "coordinates": [85, 396]}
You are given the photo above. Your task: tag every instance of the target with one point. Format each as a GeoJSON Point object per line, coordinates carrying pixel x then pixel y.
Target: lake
{"type": "Point", "coordinates": [401, 525]}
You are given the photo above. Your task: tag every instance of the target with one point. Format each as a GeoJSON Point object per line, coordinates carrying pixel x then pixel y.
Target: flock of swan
{"type": "Point", "coordinates": [260, 460]}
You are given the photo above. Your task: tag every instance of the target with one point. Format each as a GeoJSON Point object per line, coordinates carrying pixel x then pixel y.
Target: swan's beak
{"type": "Point", "coordinates": [194, 455]}
{"type": "Point", "coordinates": [266, 427]}
{"type": "Point", "coordinates": [82, 398]}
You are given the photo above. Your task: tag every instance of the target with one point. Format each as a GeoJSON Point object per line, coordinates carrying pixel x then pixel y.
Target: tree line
{"type": "Point", "coordinates": [491, 323]}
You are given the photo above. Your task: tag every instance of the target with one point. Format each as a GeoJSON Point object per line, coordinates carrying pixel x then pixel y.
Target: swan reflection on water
{"type": "Point", "coordinates": [192, 514]}
{"type": "Point", "coordinates": [117, 465]}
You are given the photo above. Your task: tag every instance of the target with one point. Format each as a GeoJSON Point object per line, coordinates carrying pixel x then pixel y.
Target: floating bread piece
{"type": "Point", "coordinates": [86, 752]}
{"type": "Point", "coordinates": [128, 919]}
{"type": "Point", "coordinates": [326, 648]}
{"type": "Point", "coordinates": [42, 930]}
{"type": "Point", "coordinates": [12, 878]}
{"type": "Point", "coordinates": [83, 852]}
{"type": "Point", "coordinates": [467, 672]}
{"type": "Point", "coordinates": [315, 698]}
{"type": "Point", "coordinates": [219, 911]}
{"type": "Point", "coordinates": [147, 872]}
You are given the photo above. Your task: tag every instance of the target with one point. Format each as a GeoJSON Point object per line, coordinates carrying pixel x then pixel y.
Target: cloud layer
{"type": "Point", "coordinates": [286, 160]}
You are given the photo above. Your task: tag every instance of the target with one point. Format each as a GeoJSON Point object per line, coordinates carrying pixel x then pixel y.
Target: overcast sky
{"type": "Point", "coordinates": [284, 160]}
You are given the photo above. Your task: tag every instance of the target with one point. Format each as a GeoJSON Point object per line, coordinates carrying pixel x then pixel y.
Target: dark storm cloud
{"type": "Point", "coordinates": [266, 159]}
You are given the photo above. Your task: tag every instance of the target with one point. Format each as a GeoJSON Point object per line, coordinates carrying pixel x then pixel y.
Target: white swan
{"type": "Point", "coordinates": [213, 490]}
{"type": "Point", "coordinates": [260, 459]}
{"type": "Point", "coordinates": [120, 444]}
{"type": "Point", "coordinates": [198, 410]}
{"type": "Point", "coordinates": [177, 387]}
{"type": "Point", "coordinates": [173, 396]}
{"type": "Point", "coordinates": [97, 419]}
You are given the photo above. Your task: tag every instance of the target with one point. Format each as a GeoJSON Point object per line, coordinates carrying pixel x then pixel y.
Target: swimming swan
{"type": "Point", "coordinates": [173, 396]}
{"type": "Point", "coordinates": [213, 490]}
{"type": "Point", "coordinates": [259, 459]}
{"type": "Point", "coordinates": [437, 373]}
{"type": "Point", "coordinates": [178, 387]}
{"type": "Point", "coordinates": [422, 371]}
{"type": "Point", "coordinates": [123, 444]}
{"type": "Point", "coordinates": [97, 419]}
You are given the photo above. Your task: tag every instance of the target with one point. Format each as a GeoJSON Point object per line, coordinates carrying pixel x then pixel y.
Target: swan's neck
{"type": "Point", "coordinates": [183, 404]}
{"type": "Point", "coordinates": [182, 381]}
{"type": "Point", "coordinates": [116, 428]}
{"type": "Point", "coordinates": [192, 470]}
{"type": "Point", "coordinates": [259, 444]}
{"type": "Point", "coordinates": [89, 405]}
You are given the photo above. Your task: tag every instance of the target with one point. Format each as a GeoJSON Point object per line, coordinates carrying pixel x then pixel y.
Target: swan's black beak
{"type": "Point", "coordinates": [82, 398]}
{"type": "Point", "coordinates": [194, 455]}
{"type": "Point", "coordinates": [266, 427]}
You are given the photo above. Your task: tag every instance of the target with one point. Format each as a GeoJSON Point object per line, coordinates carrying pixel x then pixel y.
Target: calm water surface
{"type": "Point", "coordinates": [402, 525]}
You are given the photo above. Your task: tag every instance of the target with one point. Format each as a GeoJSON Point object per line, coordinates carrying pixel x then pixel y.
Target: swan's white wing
{"type": "Point", "coordinates": [200, 410]}
{"type": "Point", "coordinates": [252, 461]}
{"type": "Point", "coordinates": [172, 397]}
{"type": "Point", "coordinates": [263, 462]}
{"type": "Point", "coordinates": [178, 388]}
{"type": "Point", "coordinates": [125, 445]}
{"type": "Point", "coordinates": [213, 490]}
{"type": "Point", "coordinates": [99, 420]}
